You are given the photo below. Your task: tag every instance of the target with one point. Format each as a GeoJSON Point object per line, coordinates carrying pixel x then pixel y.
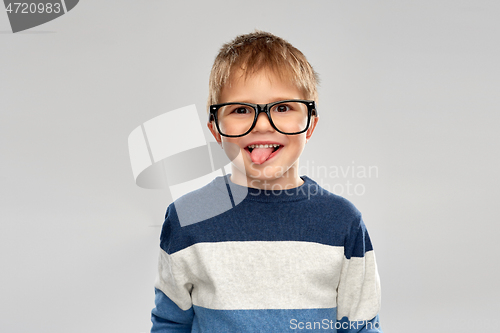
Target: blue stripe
{"type": "Point", "coordinates": [217, 321]}
{"type": "Point", "coordinates": [168, 317]}
{"type": "Point", "coordinates": [276, 321]}
{"type": "Point", "coordinates": [323, 218]}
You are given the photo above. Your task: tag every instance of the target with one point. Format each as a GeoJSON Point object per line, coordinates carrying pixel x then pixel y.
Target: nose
{"type": "Point", "coordinates": [262, 124]}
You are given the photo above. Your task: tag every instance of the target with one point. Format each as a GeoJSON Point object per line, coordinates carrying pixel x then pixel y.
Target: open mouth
{"type": "Point", "coordinates": [262, 152]}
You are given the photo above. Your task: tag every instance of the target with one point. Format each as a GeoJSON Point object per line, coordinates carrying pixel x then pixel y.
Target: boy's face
{"type": "Point", "coordinates": [259, 169]}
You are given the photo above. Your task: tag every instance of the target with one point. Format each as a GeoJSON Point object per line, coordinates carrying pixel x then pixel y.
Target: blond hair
{"type": "Point", "coordinates": [262, 50]}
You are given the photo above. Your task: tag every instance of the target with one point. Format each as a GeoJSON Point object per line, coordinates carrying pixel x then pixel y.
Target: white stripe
{"type": "Point", "coordinates": [252, 275]}
{"type": "Point", "coordinates": [359, 289]}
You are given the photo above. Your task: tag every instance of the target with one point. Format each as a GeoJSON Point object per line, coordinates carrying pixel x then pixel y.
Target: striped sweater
{"type": "Point", "coordinates": [238, 259]}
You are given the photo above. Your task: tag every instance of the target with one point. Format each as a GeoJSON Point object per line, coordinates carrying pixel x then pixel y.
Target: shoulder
{"type": "Point", "coordinates": [196, 206]}
{"type": "Point", "coordinates": [201, 204]}
{"type": "Point", "coordinates": [326, 202]}
{"type": "Point", "coordinates": [342, 215]}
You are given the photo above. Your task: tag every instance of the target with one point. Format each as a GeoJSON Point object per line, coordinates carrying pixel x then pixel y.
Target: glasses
{"type": "Point", "coordinates": [238, 119]}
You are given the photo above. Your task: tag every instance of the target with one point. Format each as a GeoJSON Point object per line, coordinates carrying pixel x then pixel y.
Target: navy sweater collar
{"type": "Point", "coordinates": [304, 191]}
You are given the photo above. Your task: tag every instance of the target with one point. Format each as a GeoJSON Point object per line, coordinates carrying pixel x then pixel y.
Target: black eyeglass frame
{"type": "Point", "coordinates": [265, 108]}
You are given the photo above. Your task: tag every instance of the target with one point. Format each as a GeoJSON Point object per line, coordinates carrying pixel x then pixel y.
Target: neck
{"type": "Point", "coordinates": [289, 179]}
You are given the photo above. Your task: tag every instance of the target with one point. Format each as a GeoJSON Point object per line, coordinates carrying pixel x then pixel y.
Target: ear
{"type": "Point", "coordinates": [213, 129]}
{"type": "Point", "coordinates": [312, 126]}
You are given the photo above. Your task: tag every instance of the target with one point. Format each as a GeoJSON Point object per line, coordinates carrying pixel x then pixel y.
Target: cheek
{"type": "Point", "coordinates": [298, 143]}
{"type": "Point", "coordinates": [297, 148]}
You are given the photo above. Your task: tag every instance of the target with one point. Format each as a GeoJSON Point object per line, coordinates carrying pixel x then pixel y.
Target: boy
{"type": "Point", "coordinates": [286, 255]}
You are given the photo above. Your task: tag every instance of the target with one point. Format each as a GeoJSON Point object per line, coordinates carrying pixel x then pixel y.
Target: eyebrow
{"type": "Point", "coordinates": [273, 100]}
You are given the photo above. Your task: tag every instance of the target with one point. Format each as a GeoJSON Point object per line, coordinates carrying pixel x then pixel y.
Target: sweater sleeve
{"type": "Point", "coordinates": [358, 292]}
{"type": "Point", "coordinates": [173, 310]}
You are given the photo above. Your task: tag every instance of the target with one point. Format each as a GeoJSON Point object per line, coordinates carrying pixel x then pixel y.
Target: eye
{"type": "Point", "coordinates": [241, 110]}
{"type": "Point", "coordinates": [282, 108]}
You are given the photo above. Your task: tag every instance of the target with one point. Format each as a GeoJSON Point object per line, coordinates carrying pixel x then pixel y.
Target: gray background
{"type": "Point", "coordinates": [409, 87]}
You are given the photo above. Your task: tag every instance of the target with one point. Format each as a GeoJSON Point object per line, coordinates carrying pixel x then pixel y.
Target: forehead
{"type": "Point", "coordinates": [263, 86]}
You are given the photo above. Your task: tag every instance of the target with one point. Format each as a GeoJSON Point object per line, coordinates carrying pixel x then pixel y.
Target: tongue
{"type": "Point", "coordinates": [260, 155]}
